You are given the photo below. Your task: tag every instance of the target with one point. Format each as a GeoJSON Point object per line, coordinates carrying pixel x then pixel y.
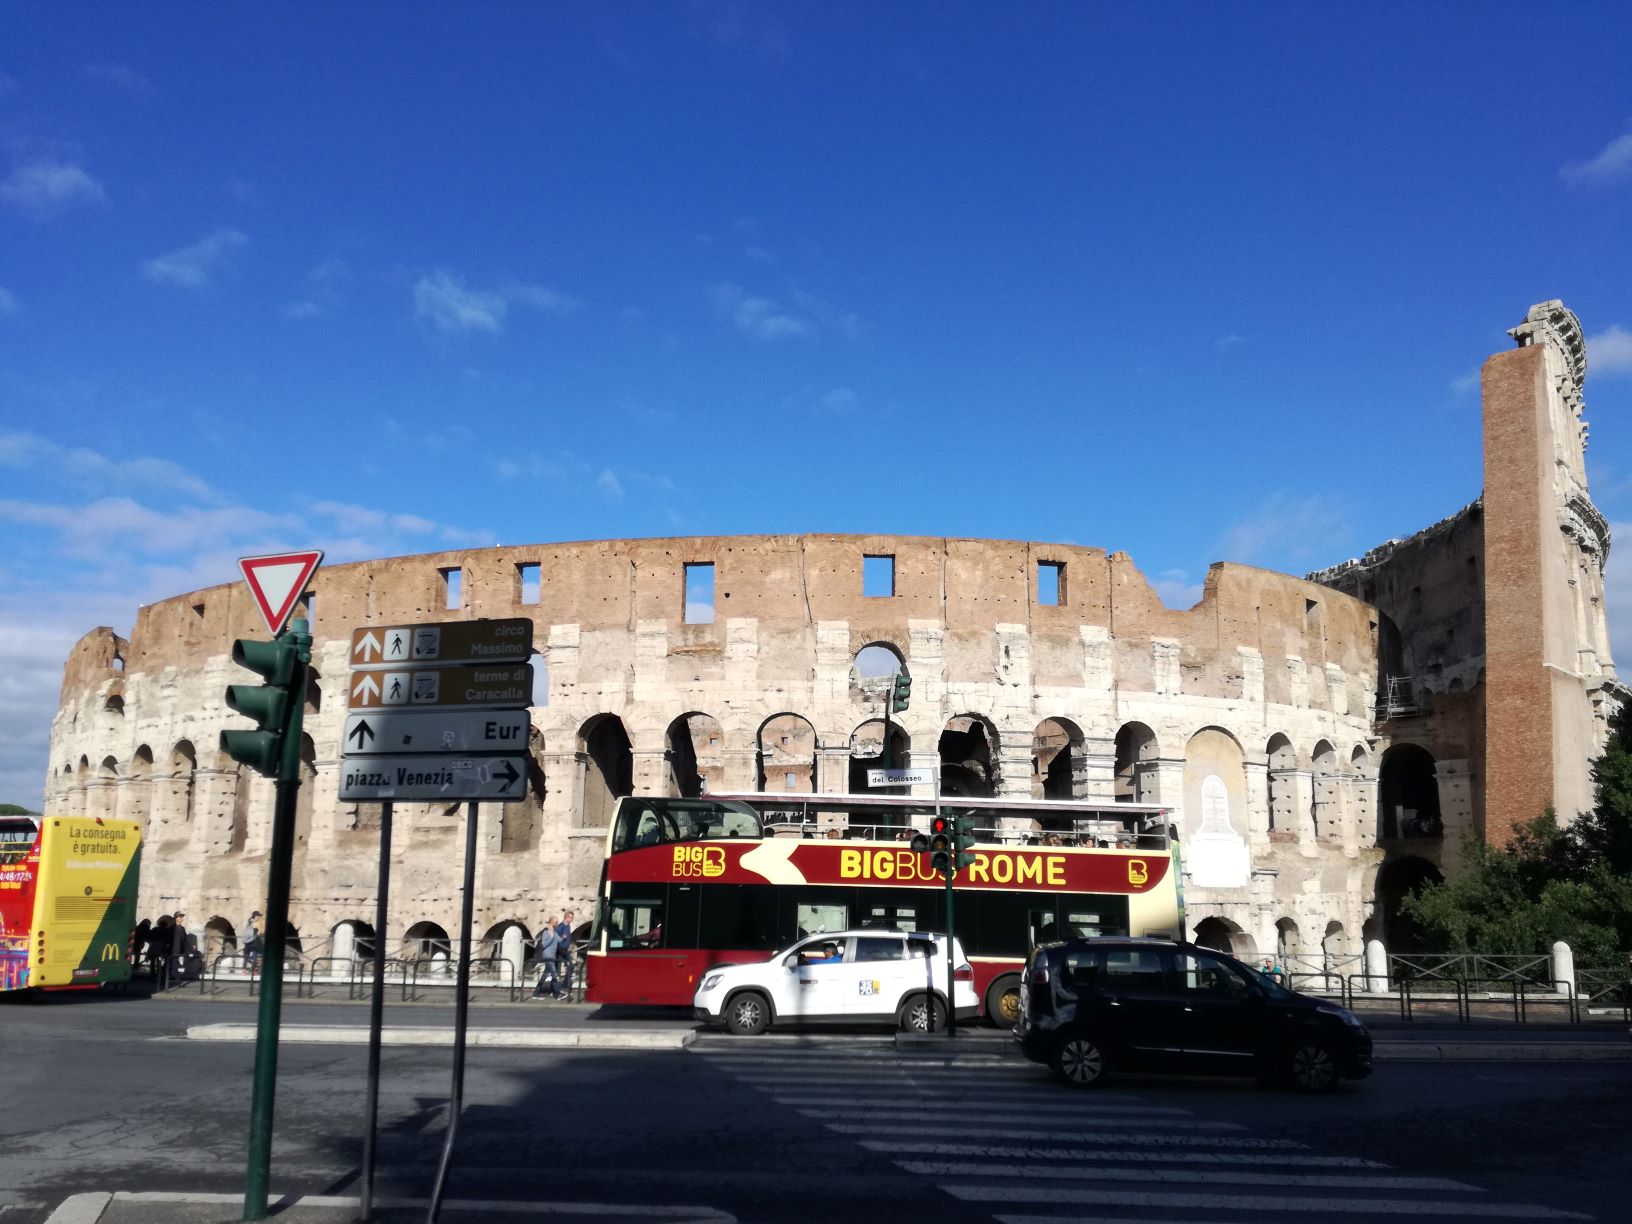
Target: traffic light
{"type": "Point", "coordinates": [940, 845]}
{"type": "Point", "coordinates": [963, 829]}
{"type": "Point", "coordinates": [900, 692]}
{"type": "Point", "coordinates": [275, 706]}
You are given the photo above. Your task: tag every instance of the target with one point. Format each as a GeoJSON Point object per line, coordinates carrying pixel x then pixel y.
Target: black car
{"type": "Point", "coordinates": [1092, 1005]}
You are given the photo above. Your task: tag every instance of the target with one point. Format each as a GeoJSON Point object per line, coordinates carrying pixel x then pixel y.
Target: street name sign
{"type": "Point", "coordinates": [276, 581]}
{"type": "Point", "coordinates": [900, 777]}
{"type": "Point", "coordinates": [422, 731]}
{"type": "Point", "coordinates": [493, 641]}
{"type": "Point", "coordinates": [432, 777]}
{"type": "Point", "coordinates": [501, 685]}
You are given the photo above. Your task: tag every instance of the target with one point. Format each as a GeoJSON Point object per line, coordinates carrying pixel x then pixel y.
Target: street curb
{"type": "Point", "coordinates": [1501, 1051]}
{"type": "Point", "coordinates": [97, 1203]}
{"type": "Point", "coordinates": [547, 1039]}
{"type": "Point", "coordinates": [81, 1208]}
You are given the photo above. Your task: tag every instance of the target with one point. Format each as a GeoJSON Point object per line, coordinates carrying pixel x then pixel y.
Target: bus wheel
{"type": "Point", "coordinates": [920, 1011]}
{"type": "Point", "coordinates": [748, 1014]}
{"type": "Point", "coordinates": [1003, 1002]}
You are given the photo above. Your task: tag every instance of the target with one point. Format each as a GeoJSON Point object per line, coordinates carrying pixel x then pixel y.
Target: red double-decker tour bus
{"type": "Point", "coordinates": [690, 883]}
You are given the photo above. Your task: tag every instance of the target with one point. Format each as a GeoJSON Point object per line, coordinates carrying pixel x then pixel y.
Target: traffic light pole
{"type": "Point", "coordinates": [257, 1166]}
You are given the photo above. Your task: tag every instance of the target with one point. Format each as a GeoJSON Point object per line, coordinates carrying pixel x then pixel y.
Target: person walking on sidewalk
{"type": "Point", "coordinates": [563, 946]}
{"type": "Point", "coordinates": [547, 947]}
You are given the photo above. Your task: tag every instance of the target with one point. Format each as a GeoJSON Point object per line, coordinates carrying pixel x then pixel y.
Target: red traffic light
{"type": "Point", "coordinates": [939, 826]}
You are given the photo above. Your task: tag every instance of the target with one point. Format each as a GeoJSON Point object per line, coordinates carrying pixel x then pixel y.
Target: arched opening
{"type": "Point", "coordinates": [541, 680]}
{"type": "Point", "coordinates": [219, 938]}
{"type": "Point", "coordinates": [1215, 793]}
{"type": "Point", "coordinates": [872, 669]}
{"type": "Point", "coordinates": [608, 763]}
{"type": "Point", "coordinates": [426, 941]}
{"type": "Point", "coordinates": [1288, 944]}
{"type": "Point", "coordinates": [1323, 792]}
{"type": "Point", "coordinates": [694, 756]}
{"type": "Point", "coordinates": [869, 751]}
{"type": "Point", "coordinates": [183, 781]}
{"type": "Point", "coordinates": [306, 797]}
{"type": "Point", "coordinates": [137, 797]}
{"type": "Point", "coordinates": [1282, 761]}
{"type": "Point", "coordinates": [314, 690]}
{"type": "Point", "coordinates": [521, 823]}
{"type": "Point", "coordinates": [787, 754]}
{"type": "Point", "coordinates": [291, 940]}
{"type": "Point", "coordinates": [115, 704]}
{"type": "Point", "coordinates": [1058, 766]}
{"type": "Point", "coordinates": [1396, 880]}
{"type": "Point", "coordinates": [967, 767]}
{"type": "Point", "coordinates": [358, 933]}
{"type": "Point", "coordinates": [1222, 935]}
{"type": "Point", "coordinates": [1136, 753]}
{"type": "Point", "coordinates": [1332, 947]}
{"type": "Point", "coordinates": [1408, 793]}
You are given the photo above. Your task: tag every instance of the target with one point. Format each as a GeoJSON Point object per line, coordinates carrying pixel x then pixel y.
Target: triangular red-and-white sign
{"type": "Point", "coordinates": [276, 581]}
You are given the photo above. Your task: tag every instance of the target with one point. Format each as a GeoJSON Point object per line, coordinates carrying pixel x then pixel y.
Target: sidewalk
{"type": "Point", "coordinates": [124, 1207]}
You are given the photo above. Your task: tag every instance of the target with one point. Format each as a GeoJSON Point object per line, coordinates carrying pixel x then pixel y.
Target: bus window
{"type": "Point", "coordinates": [635, 924]}
{"type": "Point", "coordinates": [738, 918]}
{"type": "Point", "coordinates": [893, 915]}
{"type": "Point", "coordinates": [1082, 925]}
{"type": "Point", "coordinates": [1042, 925]}
{"type": "Point", "coordinates": [814, 919]}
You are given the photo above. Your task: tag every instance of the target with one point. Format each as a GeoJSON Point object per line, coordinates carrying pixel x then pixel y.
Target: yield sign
{"type": "Point", "coordinates": [276, 581]}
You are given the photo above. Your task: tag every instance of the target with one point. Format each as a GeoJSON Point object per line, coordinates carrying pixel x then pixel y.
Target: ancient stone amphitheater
{"type": "Point", "coordinates": [742, 663]}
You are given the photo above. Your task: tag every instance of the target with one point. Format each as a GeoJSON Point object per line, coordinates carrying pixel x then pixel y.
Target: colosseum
{"type": "Point", "coordinates": [1361, 720]}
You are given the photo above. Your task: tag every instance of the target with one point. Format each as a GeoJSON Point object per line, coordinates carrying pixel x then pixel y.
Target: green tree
{"type": "Point", "coordinates": [1550, 882]}
{"type": "Point", "coordinates": [11, 809]}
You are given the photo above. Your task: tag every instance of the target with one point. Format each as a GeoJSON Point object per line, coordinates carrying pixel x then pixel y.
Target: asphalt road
{"type": "Point", "coordinates": [103, 1095]}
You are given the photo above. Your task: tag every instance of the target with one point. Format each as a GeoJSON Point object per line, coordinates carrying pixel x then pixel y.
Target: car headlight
{"type": "Point", "coordinates": [1342, 1013]}
{"type": "Point", "coordinates": [713, 980]}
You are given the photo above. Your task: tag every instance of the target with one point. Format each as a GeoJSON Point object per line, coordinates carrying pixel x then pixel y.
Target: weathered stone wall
{"type": "Point", "coordinates": [1202, 691]}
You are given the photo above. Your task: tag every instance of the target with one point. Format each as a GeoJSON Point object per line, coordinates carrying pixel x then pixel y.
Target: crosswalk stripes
{"type": "Point", "coordinates": [1036, 1156]}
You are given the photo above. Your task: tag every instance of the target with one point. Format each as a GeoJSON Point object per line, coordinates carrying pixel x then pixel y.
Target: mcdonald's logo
{"type": "Point", "coordinates": [111, 952]}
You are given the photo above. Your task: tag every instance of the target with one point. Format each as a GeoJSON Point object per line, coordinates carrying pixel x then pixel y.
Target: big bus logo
{"type": "Point", "coordinates": [706, 861]}
{"type": "Point", "coordinates": [1138, 871]}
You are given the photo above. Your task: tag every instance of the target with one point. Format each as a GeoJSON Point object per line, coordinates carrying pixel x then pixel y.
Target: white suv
{"type": "Point", "coordinates": [871, 976]}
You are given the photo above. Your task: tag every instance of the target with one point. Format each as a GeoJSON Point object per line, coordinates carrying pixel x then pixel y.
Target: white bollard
{"type": "Point", "coordinates": [439, 960]}
{"type": "Point", "coordinates": [345, 948]}
{"type": "Point", "coordinates": [1563, 969]}
{"type": "Point", "coordinates": [510, 948]}
{"type": "Point", "coordinates": [1376, 967]}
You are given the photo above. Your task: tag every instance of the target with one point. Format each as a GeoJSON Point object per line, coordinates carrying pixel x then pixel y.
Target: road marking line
{"type": "Point", "coordinates": [708, 1215]}
{"type": "Point", "coordinates": [981, 1132]}
{"type": "Point", "coordinates": [1329, 1181]}
{"type": "Point", "coordinates": [81, 1208]}
{"type": "Point", "coordinates": [988, 1118]}
{"type": "Point", "coordinates": [1302, 1204]}
{"type": "Point", "coordinates": [991, 1108]}
{"type": "Point", "coordinates": [1078, 1153]}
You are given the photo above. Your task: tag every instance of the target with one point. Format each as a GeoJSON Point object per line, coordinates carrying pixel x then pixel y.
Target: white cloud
{"type": "Point", "coordinates": [760, 317]}
{"type": "Point", "coordinates": [1610, 352]}
{"type": "Point", "coordinates": [1465, 384]}
{"type": "Point", "coordinates": [8, 302]}
{"type": "Point", "coordinates": [49, 185]}
{"type": "Point", "coordinates": [193, 267]}
{"type": "Point", "coordinates": [1612, 164]}
{"type": "Point", "coordinates": [1618, 594]}
{"type": "Point", "coordinates": [1285, 530]}
{"type": "Point", "coordinates": [451, 306]}
{"type": "Point", "coordinates": [97, 472]}
{"type": "Point", "coordinates": [325, 287]}
{"type": "Point", "coordinates": [120, 76]}
{"type": "Point", "coordinates": [607, 482]}
{"type": "Point", "coordinates": [1176, 589]}
{"type": "Point", "coordinates": [840, 401]}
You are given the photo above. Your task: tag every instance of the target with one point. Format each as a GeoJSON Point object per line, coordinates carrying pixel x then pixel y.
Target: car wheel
{"type": "Point", "coordinates": [1078, 1060]}
{"type": "Point", "coordinates": [747, 1015]}
{"type": "Point", "coordinates": [1003, 1002]}
{"type": "Point", "coordinates": [920, 1011]}
{"type": "Point", "coordinates": [1311, 1066]}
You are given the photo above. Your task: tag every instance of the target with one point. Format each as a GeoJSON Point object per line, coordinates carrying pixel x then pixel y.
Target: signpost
{"type": "Point", "coordinates": [901, 777]}
{"type": "Point", "coordinates": [440, 713]}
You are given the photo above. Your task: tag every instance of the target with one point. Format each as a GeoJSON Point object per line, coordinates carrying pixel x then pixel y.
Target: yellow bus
{"type": "Point", "coordinates": [67, 901]}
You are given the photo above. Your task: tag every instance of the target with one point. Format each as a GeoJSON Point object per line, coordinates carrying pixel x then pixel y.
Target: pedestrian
{"type": "Point", "coordinates": [158, 950]}
{"type": "Point", "coordinates": [138, 941]}
{"type": "Point", "coordinates": [547, 948]}
{"type": "Point", "coordinates": [178, 945]}
{"type": "Point", "coordinates": [563, 932]}
{"type": "Point", "coordinates": [254, 943]}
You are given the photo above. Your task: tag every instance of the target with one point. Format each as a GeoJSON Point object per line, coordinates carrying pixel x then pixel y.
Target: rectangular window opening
{"type": "Point", "coordinates": [527, 581]}
{"type": "Point", "coordinates": [791, 782]}
{"type": "Point", "coordinates": [1310, 607]}
{"type": "Point", "coordinates": [699, 609]}
{"type": "Point", "coordinates": [452, 586]}
{"type": "Point", "coordinates": [878, 576]}
{"type": "Point", "coordinates": [1051, 584]}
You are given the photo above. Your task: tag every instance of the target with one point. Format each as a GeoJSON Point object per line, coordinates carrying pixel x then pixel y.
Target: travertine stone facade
{"type": "Point", "coordinates": [1250, 714]}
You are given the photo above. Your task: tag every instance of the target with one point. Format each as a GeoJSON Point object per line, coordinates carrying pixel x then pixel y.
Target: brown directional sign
{"type": "Point", "coordinates": [478, 641]}
{"type": "Point", "coordinates": [497, 685]}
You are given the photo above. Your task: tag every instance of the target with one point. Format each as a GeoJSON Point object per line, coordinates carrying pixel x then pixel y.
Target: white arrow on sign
{"type": "Point", "coordinates": [369, 648]}
{"type": "Point", "coordinates": [365, 686]}
{"type": "Point", "coordinates": [445, 730]}
{"type": "Point", "coordinates": [501, 779]}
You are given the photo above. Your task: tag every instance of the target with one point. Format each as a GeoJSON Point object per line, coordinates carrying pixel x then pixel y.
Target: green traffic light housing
{"type": "Point", "coordinates": [900, 692]}
{"type": "Point", "coordinates": [963, 829]}
{"type": "Point", "coordinates": [274, 705]}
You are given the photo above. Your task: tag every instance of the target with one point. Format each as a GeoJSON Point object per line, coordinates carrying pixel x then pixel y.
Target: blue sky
{"type": "Point", "coordinates": [1196, 282]}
